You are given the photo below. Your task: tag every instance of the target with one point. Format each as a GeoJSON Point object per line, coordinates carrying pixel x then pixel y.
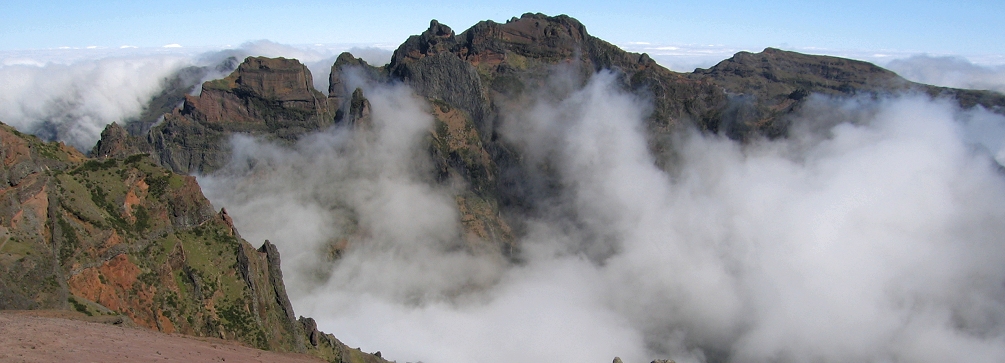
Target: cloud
{"type": "Point", "coordinates": [872, 234]}
{"type": "Point", "coordinates": [373, 55]}
{"type": "Point", "coordinates": [73, 103]}
{"type": "Point", "coordinates": [318, 58]}
{"type": "Point", "coordinates": [70, 95]}
{"type": "Point", "coordinates": [956, 72]}
{"type": "Point", "coordinates": [684, 57]}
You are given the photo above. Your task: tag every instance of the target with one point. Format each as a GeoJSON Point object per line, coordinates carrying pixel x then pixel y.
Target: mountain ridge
{"type": "Point", "coordinates": [469, 80]}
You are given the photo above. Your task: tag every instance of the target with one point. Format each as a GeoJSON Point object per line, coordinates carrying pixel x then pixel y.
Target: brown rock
{"type": "Point", "coordinates": [116, 142]}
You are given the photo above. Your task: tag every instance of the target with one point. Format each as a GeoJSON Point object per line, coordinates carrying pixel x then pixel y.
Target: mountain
{"type": "Point", "coordinates": [125, 237]}
{"type": "Point", "coordinates": [765, 87]}
{"type": "Point", "coordinates": [127, 232]}
{"type": "Point", "coordinates": [470, 77]}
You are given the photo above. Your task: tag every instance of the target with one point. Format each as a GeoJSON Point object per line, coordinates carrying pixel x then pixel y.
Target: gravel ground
{"type": "Point", "coordinates": [62, 336]}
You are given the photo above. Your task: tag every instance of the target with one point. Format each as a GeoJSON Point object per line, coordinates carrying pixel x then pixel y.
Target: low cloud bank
{"type": "Point", "coordinates": [956, 72]}
{"type": "Point", "coordinates": [71, 95]}
{"type": "Point", "coordinates": [872, 234]}
{"type": "Point", "coordinates": [74, 102]}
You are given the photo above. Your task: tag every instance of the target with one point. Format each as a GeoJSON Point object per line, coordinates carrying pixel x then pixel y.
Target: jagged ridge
{"type": "Point", "coordinates": [123, 236]}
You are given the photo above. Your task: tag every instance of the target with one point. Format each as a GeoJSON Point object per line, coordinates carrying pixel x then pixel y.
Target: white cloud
{"type": "Point", "coordinates": [72, 94]}
{"type": "Point", "coordinates": [956, 72]}
{"type": "Point", "coordinates": [73, 103]}
{"type": "Point", "coordinates": [872, 235]}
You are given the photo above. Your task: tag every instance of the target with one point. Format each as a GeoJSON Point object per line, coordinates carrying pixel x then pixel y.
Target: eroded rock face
{"type": "Point", "coordinates": [116, 142]}
{"type": "Point", "coordinates": [509, 59]}
{"type": "Point", "coordinates": [123, 236]}
{"type": "Point", "coordinates": [765, 87]}
{"type": "Point", "coordinates": [268, 97]}
{"type": "Point", "coordinates": [473, 78]}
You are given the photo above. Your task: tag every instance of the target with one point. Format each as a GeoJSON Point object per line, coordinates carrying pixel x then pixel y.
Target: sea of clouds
{"type": "Point", "coordinates": [873, 233]}
{"type": "Point", "coordinates": [70, 95]}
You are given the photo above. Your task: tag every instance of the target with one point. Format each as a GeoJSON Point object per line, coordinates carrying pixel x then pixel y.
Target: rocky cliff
{"type": "Point", "coordinates": [271, 98]}
{"type": "Point", "coordinates": [129, 233]}
{"type": "Point", "coordinates": [472, 78]}
{"type": "Point", "coordinates": [763, 88]}
{"type": "Point", "coordinates": [123, 236]}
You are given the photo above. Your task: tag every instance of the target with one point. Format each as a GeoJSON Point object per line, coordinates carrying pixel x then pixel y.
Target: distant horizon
{"type": "Point", "coordinates": [675, 56]}
{"type": "Point", "coordinates": [963, 29]}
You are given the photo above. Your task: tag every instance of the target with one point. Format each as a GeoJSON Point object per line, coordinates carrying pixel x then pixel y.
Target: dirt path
{"type": "Point", "coordinates": [48, 336]}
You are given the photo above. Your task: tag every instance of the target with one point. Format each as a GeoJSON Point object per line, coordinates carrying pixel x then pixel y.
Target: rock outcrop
{"type": "Point", "coordinates": [120, 234]}
{"type": "Point", "coordinates": [266, 97]}
{"type": "Point", "coordinates": [471, 79]}
{"type": "Point", "coordinates": [125, 237]}
{"type": "Point", "coordinates": [766, 87]}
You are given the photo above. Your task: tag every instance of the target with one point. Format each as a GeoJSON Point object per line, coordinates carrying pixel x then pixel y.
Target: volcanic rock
{"type": "Point", "coordinates": [765, 87]}
{"type": "Point", "coordinates": [124, 240]}
{"type": "Point", "coordinates": [268, 97]}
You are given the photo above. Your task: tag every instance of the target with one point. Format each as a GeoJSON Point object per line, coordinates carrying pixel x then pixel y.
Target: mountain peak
{"type": "Point", "coordinates": [274, 78]}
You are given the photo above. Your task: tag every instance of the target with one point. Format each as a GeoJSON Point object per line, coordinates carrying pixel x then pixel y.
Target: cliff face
{"type": "Point", "coordinates": [474, 77]}
{"type": "Point", "coordinates": [473, 69]}
{"type": "Point", "coordinates": [123, 236]}
{"type": "Point", "coordinates": [765, 87]}
{"type": "Point", "coordinates": [271, 98]}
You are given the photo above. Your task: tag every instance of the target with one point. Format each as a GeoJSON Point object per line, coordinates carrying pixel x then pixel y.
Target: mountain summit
{"type": "Point", "coordinates": [127, 232]}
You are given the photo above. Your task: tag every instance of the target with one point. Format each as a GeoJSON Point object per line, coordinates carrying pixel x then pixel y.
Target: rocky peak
{"type": "Point", "coordinates": [337, 86]}
{"type": "Point", "coordinates": [359, 108]}
{"type": "Point", "coordinates": [746, 71]}
{"type": "Point", "coordinates": [258, 87]}
{"type": "Point", "coordinates": [275, 78]}
{"type": "Point", "coordinates": [438, 30]}
{"type": "Point", "coordinates": [340, 94]}
{"type": "Point", "coordinates": [530, 35]}
{"type": "Point", "coordinates": [268, 97]}
{"type": "Point", "coordinates": [116, 142]}
{"type": "Point", "coordinates": [439, 38]}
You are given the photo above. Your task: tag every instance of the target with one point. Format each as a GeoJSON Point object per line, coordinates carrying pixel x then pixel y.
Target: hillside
{"type": "Point", "coordinates": [126, 232]}
{"type": "Point", "coordinates": [123, 236]}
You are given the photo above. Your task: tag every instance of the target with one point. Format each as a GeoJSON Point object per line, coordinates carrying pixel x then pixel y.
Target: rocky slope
{"type": "Point", "coordinates": [41, 336]}
{"type": "Point", "coordinates": [265, 97]}
{"type": "Point", "coordinates": [765, 87]}
{"type": "Point", "coordinates": [123, 236]}
{"type": "Point", "coordinates": [129, 233]}
{"type": "Point", "coordinates": [471, 79]}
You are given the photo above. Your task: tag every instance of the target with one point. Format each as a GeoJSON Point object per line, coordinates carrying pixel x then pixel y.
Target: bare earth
{"type": "Point", "coordinates": [62, 336]}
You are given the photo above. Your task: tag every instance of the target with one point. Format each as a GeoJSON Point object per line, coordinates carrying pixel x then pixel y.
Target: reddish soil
{"type": "Point", "coordinates": [62, 336]}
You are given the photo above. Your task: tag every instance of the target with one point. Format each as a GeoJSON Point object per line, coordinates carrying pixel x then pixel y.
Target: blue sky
{"type": "Point", "coordinates": [936, 27]}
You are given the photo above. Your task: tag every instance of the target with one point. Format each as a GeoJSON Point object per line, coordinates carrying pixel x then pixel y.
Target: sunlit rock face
{"type": "Point", "coordinates": [527, 174]}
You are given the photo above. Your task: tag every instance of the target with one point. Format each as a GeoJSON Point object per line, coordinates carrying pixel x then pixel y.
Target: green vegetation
{"type": "Point", "coordinates": [158, 184]}
{"type": "Point", "coordinates": [142, 218]}
{"type": "Point", "coordinates": [222, 84]}
{"type": "Point", "coordinates": [238, 320]}
{"type": "Point", "coordinates": [133, 159]}
{"type": "Point", "coordinates": [79, 307]}
{"type": "Point", "coordinates": [70, 241]}
{"type": "Point", "coordinates": [148, 278]}
{"type": "Point", "coordinates": [50, 150]}
{"type": "Point", "coordinates": [95, 165]}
